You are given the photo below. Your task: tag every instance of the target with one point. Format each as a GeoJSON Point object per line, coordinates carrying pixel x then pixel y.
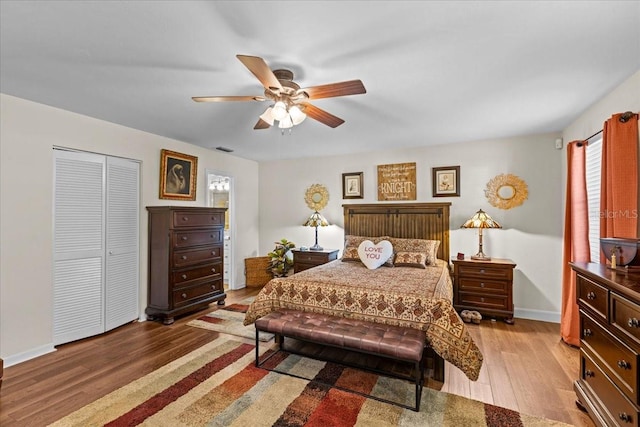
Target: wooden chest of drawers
{"type": "Point", "coordinates": [609, 344]}
{"type": "Point", "coordinates": [304, 260]}
{"type": "Point", "coordinates": [186, 254]}
{"type": "Point", "coordinates": [484, 286]}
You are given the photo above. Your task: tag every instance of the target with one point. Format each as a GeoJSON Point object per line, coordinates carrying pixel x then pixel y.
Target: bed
{"type": "Point", "coordinates": [420, 298]}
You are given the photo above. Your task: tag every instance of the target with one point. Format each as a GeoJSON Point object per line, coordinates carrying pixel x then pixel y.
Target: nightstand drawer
{"type": "Point", "coordinates": [304, 260]}
{"type": "Point", "coordinates": [488, 271]}
{"type": "Point", "coordinates": [492, 302]}
{"type": "Point", "coordinates": [474, 284]}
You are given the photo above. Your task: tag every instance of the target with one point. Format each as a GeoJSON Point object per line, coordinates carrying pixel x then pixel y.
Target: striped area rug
{"type": "Point", "coordinates": [217, 385]}
{"type": "Point", "coordinates": [229, 320]}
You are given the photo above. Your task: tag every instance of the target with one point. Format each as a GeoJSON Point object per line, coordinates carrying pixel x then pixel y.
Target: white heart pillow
{"type": "Point", "coordinates": [374, 255]}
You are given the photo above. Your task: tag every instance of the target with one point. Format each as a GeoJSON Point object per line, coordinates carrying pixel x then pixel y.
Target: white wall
{"type": "Point", "coordinates": [532, 233]}
{"type": "Point", "coordinates": [28, 131]}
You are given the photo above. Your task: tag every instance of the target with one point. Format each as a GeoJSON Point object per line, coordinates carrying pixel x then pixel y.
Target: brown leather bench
{"type": "Point", "coordinates": [392, 342]}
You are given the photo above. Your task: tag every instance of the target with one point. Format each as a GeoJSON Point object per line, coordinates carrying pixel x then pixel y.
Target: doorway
{"type": "Point", "coordinates": [220, 195]}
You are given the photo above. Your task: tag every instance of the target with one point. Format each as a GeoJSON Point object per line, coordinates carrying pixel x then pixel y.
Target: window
{"type": "Point", "coordinates": [593, 167]}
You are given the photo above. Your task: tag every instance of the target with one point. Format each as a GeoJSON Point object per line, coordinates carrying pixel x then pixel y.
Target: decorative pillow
{"type": "Point", "coordinates": [351, 243]}
{"type": "Point", "coordinates": [427, 247]}
{"type": "Point", "coordinates": [410, 259]}
{"type": "Point", "coordinates": [373, 255]}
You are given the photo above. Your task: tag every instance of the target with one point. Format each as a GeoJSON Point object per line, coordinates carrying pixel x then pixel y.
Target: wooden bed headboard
{"type": "Point", "coordinates": [404, 220]}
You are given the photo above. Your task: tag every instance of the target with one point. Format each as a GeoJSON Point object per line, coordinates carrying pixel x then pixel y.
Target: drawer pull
{"type": "Point", "coordinates": [184, 218]}
{"type": "Point", "coordinates": [624, 417]}
{"type": "Point", "coordinates": [184, 237]}
{"type": "Point", "coordinates": [184, 276]}
{"type": "Point", "coordinates": [587, 332]}
{"type": "Point", "coordinates": [588, 374]}
{"type": "Point", "coordinates": [213, 252]}
{"type": "Point", "coordinates": [482, 284]}
{"type": "Point", "coordinates": [633, 322]}
{"type": "Point", "coordinates": [482, 271]}
{"type": "Point", "coordinates": [623, 364]}
{"type": "Point", "coordinates": [213, 270]}
{"type": "Point", "coordinates": [184, 257]}
{"type": "Point", "coordinates": [591, 295]}
{"type": "Point", "coordinates": [184, 296]}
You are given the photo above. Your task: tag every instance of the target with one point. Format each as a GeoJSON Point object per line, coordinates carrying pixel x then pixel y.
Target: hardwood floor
{"type": "Point", "coordinates": [526, 368]}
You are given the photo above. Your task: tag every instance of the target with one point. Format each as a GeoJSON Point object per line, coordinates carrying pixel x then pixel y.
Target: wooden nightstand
{"type": "Point", "coordinates": [484, 286]}
{"type": "Point", "coordinates": [303, 260]}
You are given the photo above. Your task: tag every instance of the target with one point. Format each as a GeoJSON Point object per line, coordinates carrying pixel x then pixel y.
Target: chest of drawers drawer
{"type": "Point", "coordinates": [186, 239]}
{"type": "Point", "coordinates": [181, 219]}
{"type": "Point", "coordinates": [617, 408]}
{"type": "Point", "coordinates": [593, 296]}
{"type": "Point", "coordinates": [618, 360]}
{"type": "Point", "coordinates": [201, 272]}
{"type": "Point", "coordinates": [186, 296]}
{"type": "Point", "coordinates": [196, 256]}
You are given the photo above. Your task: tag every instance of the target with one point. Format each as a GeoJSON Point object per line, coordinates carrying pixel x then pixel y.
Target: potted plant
{"type": "Point", "coordinates": [281, 262]}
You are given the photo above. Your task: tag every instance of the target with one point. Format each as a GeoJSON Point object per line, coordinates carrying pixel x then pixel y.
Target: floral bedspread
{"type": "Point", "coordinates": [405, 296]}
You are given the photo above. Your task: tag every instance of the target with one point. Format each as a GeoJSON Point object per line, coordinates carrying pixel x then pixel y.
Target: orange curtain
{"type": "Point", "coordinates": [619, 186]}
{"type": "Point", "coordinates": [576, 239]}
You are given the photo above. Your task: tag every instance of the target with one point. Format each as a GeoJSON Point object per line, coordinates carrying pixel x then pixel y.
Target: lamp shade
{"type": "Point", "coordinates": [279, 110]}
{"type": "Point", "coordinates": [267, 116]}
{"type": "Point", "coordinates": [297, 116]}
{"type": "Point", "coordinates": [480, 220]}
{"type": "Point", "coordinates": [316, 220]}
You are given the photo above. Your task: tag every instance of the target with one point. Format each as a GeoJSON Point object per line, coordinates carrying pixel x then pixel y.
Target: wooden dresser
{"type": "Point", "coordinates": [304, 260]}
{"type": "Point", "coordinates": [484, 286]}
{"type": "Point", "coordinates": [186, 254]}
{"type": "Point", "coordinates": [609, 302]}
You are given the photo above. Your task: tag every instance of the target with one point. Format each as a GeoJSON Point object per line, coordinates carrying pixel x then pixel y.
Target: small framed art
{"type": "Point", "coordinates": [352, 185]}
{"type": "Point", "coordinates": [178, 175]}
{"type": "Point", "coordinates": [446, 181]}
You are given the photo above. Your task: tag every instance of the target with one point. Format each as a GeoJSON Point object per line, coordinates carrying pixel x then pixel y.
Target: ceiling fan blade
{"type": "Point", "coordinates": [261, 124]}
{"type": "Point", "coordinates": [227, 98]}
{"type": "Point", "coordinates": [351, 87]}
{"type": "Point", "coordinates": [322, 116]}
{"type": "Point", "coordinates": [261, 70]}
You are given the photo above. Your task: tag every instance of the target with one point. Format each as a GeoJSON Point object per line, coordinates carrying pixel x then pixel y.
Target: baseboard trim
{"type": "Point", "coordinates": [28, 355]}
{"type": "Point", "coordinates": [543, 316]}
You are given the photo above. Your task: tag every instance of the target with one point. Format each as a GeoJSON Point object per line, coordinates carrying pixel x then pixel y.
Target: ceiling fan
{"type": "Point", "coordinates": [291, 103]}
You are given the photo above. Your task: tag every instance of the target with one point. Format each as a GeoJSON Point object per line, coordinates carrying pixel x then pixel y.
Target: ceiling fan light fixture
{"type": "Point", "coordinates": [267, 116]}
{"type": "Point", "coordinates": [297, 116]}
{"type": "Point", "coordinates": [279, 111]}
{"type": "Point", "coordinates": [286, 122]}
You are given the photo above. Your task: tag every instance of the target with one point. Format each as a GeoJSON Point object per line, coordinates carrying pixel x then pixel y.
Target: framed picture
{"type": "Point", "coordinates": [178, 175]}
{"type": "Point", "coordinates": [352, 185]}
{"type": "Point", "coordinates": [446, 181]}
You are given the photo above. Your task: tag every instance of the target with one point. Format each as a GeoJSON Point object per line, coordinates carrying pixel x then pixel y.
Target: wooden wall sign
{"type": "Point", "coordinates": [397, 181]}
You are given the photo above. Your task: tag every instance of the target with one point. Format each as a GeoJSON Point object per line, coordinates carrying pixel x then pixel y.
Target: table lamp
{"type": "Point", "coordinates": [480, 220]}
{"type": "Point", "coordinates": [316, 220]}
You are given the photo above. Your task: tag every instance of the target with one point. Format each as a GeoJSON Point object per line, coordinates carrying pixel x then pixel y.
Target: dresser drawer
{"type": "Point", "coordinates": [592, 295]}
{"type": "Point", "coordinates": [620, 360]}
{"type": "Point", "coordinates": [185, 239]}
{"type": "Point", "coordinates": [486, 301]}
{"type": "Point", "coordinates": [187, 296]}
{"type": "Point", "coordinates": [489, 272]}
{"type": "Point", "coordinates": [616, 404]}
{"type": "Point", "coordinates": [197, 219]}
{"type": "Point", "coordinates": [496, 286]}
{"type": "Point", "coordinates": [196, 256]}
{"type": "Point", "coordinates": [180, 277]}
{"type": "Point", "coordinates": [625, 317]}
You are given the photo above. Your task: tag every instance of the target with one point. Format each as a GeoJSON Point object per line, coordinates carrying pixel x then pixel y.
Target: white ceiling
{"type": "Point", "coordinates": [435, 71]}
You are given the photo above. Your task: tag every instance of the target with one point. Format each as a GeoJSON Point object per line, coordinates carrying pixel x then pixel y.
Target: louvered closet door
{"type": "Point", "coordinates": [79, 206]}
{"type": "Point", "coordinates": [122, 264]}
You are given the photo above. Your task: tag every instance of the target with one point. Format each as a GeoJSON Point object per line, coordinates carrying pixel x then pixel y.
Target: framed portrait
{"type": "Point", "coordinates": [352, 186]}
{"type": "Point", "coordinates": [178, 174]}
{"type": "Point", "coordinates": [446, 181]}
